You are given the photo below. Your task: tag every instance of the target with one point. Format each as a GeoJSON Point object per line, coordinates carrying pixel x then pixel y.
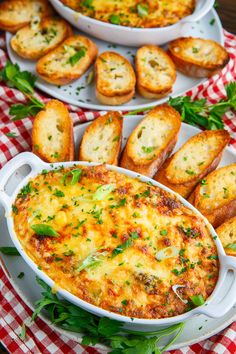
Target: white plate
{"type": "Point", "coordinates": [85, 97]}
{"type": "Point", "coordinates": [196, 330]}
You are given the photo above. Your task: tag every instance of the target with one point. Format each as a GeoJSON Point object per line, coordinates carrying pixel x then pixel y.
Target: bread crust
{"type": "Point", "coordinates": [16, 14]}
{"type": "Point", "coordinates": [197, 57]}
{"type": "Point", "coordinates": [184, 188]}
{"type": "Point", "coordinates": [35, 41]}
{"type": "Point", "coordinates": [52, 133]}
{"type": "Point", "coordinates": [227, 234]}
{"type": "Point", "coordinates": [224, 211]}
{"type": "Point", "coordinates": [56, 68]}
{"type": "Point", "coordinates": [148, 166]}
{"type": "Point", "coordinates": [103, 138]}
{"type": "Point", "coordinates": [115, 79]}
{"type": "Point", "coordinates": [155, 71]}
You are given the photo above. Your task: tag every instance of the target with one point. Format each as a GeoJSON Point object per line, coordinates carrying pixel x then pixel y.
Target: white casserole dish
{"type": "Point", "coordinates": [131, 36]}
{"type": "Point", "coordinates": [214, 307]}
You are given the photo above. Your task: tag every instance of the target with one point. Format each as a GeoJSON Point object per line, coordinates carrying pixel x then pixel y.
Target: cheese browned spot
{"type": "Point", "coordinates": [122, 244]}
{"type": "Point", "coordinates": [134, 13]}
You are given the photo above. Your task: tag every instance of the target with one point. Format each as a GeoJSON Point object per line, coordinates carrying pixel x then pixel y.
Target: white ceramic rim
{"type": "Point", "coordinates": [210, 308]}
{"type": "Point", "coordinates": [195, 16]}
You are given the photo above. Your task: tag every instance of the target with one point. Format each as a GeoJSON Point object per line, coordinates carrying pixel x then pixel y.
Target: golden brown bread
{"type": "Point", "coordinates": [52, 133]}
{"type": "Point", "coordinates": [155, 71]}
{"type": "Point", "coordinates": [101, 141]}
{"type": "Point", "coordinates": [152, 141]}
{"type": "Point", "coordinates": [198, 57]}
{"type": "Point", "coordinates": [68, 62]}
{"type": "Point", "coordinates": [115, 79]}
{"type": "Point", "coordinates": [15, 14]}
{"type": "Point", "coordinates": [199, 156]}
{"type": "Point", "coordinates": [227, 235]}
{"type": "Point", "coordinates": [215, 196]}
{"type": "Point", "coordinates": [36, 39]}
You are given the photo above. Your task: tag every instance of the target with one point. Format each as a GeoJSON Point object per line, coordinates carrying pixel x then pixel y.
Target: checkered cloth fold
{"type": "Point", "coordinates": [13, 311]}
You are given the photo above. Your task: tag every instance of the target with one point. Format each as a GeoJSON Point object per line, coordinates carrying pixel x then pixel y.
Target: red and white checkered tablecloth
{"type": "Point", "coordinates": [13, 311]}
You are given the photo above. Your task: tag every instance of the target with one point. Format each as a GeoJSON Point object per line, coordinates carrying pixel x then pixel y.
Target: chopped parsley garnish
{"type": "Point", "coordinates": [25, 190]}
{"type": "Point", "coordinates": [59, 193]}
{"type": "Point", "coordinates": [203, 182]}
{"type": "Point", "coordinates": [195, 50]}
{"type": "Point", "coordinates": [148, 149]}
{"type": "Point", "coordinates": [21, 275]}
{"type": "Point", "coordinates": [14, 209]}
{"type": "Point", "coordinates": [123, 246]}
{"type": "Point", "coordinates": [77, 56]}
{"type": "Point", "coordinates": [190, 172]}
{"type": "Point", "coordinates": [213, 256]}
{"type": "Point", "coordinates": [179, 272]}
{"type": "Point", "coordinates": [163, 232]}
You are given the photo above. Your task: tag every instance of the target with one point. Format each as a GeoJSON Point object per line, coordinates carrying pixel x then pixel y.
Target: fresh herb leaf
{"type": "Point", "coordinates": [44, 230]}
{"type": "Point", "coordinates": [24, 81]}
{"type": "Point", "coordinates": [148, 149]}
{"type": "Point", "coordinates": [59, 193]}
{"type": "Point", "coordinates": [9, 251]}
{"type": "Point", "coordinates": [102, 330]}
{"type": "Point", "coordinates": [199, 113]}
{"type": "Point", "coordinates": [25, 190]}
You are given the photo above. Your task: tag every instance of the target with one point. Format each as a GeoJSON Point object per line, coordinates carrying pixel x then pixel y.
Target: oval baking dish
{"type": "Point", "coordinates": [131, 36]}
{"type": "Point", "coordinates": [213, 307]}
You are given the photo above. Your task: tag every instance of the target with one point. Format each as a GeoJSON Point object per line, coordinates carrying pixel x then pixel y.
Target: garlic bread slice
{"type": "Point", "coordinates": [68, 62]}
{"type": "Point", "coordinates": [102, 139]}
{"type": "Point", "coordinates": [227, 235]}
{"type": "Point", "coordinates": [115, 79]}
{"type": "Point", "coordinates": [155, 71]}
{"type": "Point", "coordinates": [199, 156]}
{"type": "Point", "coordinates": [215, 196]}
{"type": "Point", "coordinates": [15, 14]}
{"type": "Point", "coordinates": [152, 141]}
{"type": "Point", "coordinates": [198, 57]}
{"type": "Point", "coordinates": [52, 133]}
{"type": "Point", "coordinates": [36, 39]}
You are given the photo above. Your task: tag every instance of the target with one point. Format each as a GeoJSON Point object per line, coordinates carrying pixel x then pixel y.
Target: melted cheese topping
{"type": "Point", "coordinates": [134, 13]}
{"type": "Point", "coordinates": [121, 244]}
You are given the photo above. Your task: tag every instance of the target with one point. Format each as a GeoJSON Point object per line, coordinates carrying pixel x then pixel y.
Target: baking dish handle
{"type": "Point", "coordinates": [25, 158]}
{"type": "Point", "coordinates": [200, 12]}
{"type": "Point", "coordinates": [214, 309]}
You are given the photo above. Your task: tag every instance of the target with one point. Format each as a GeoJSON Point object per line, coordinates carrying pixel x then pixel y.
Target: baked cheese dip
{"type": "Point", "coordinates": [134, 13]}
{"type": "Point", "coordinates": [116, 242]}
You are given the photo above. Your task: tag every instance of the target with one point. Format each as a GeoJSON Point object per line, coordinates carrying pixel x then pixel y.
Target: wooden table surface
{"type": "Point", "coordinates": [227, 13]}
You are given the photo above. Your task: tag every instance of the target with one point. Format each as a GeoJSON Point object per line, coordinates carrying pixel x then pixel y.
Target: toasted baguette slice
{"type": "Point", "coordinates": [155, 71]}
{"type": "Point", "coordinates": [227, 235]}
{"type": "Point", "coordinates": [152, 141]}
{"type": "Point", "coordinates": [102, 139]}
{"type": "Point", "coordinates": [198, 57]}
{"type": "Point", "coordinates": [15, 14]}
{"type": "Point", "coordinates": [199, 156]}
{"type": "Point", "coordinates": [215, 196]}
{"type": "Point", "coordinates": [115, 79]}
{"type": "Point", "coordinates": [68, 62]}
{"type": "Point", "coordinates": [52, 133]}
{"type": "Point", "coordinates": [36, 39]}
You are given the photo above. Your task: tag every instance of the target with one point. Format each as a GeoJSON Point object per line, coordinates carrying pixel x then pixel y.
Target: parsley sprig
{"type": "Point", "coordinates": [101, 329]}
{"type": "Point", "coordinates": [24, 81]}
{"type": "Point", "coordinates": [199, 112]}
